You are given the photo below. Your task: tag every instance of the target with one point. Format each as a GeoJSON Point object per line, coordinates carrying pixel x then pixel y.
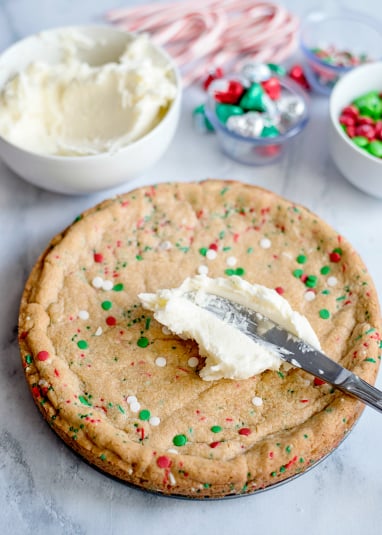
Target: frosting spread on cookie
{"type": "Point", "coordinates": [229, 353]}
{"type": "Point", "coordinates": [75, 108]}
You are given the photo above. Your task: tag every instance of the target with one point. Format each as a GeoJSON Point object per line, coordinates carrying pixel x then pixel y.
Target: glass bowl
{"type": "Point", "coordinates": [256, 150]}
{"type": "Point", "coordinates": [349, 38]}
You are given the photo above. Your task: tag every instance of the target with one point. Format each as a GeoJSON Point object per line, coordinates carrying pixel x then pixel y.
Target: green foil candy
{"type": "Point", "coordinates": [369, 104]}
{"type": "Point", "coordinates": [270, 131]}
{"type": "Point", "coordinates": [253, 99]}
{"type": "Point", "coordinates": [224, 111]}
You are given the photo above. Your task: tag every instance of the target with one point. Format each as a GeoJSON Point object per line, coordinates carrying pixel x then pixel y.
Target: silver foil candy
{"type": "Point", "coordinates": [291, 109]}
{"type": "Point", "coordinates": [248, 125]}
{"type": "Point", "coordinates": [256, 72]}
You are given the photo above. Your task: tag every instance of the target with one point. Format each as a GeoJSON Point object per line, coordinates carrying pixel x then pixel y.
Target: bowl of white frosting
{"type": "Point", "coordinates": [84, 109]}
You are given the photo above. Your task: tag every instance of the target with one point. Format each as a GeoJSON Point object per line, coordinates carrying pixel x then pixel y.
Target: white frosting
{"type": "Point", "coordinates": [229, 353]}
{"type": "Point", "coordinates": [71, 108]}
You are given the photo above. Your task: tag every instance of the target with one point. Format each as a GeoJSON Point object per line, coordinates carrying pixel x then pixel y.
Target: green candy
{"type": "Point", "coordinates": [360, 141]}
{"type": "Point", "coordinates": [375, 148]}
{"type": "Point", "coordinates": [278, 69]}
{"type": "Point", "coordinates": [253, 99]}
{"type": "Point", "coordinates": [224, 111]}
{"type": "Point", "coordinates": [369, 104]}
{"type": "Point", "coordinates": [270, 131]}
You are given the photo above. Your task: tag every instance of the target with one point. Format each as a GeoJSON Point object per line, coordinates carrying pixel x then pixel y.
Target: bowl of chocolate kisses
{"type": "Point", "coordinates": [256, 112]}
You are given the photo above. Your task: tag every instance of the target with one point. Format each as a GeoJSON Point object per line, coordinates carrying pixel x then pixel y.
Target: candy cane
{"type": "Point", "coordinates": [203, 34]}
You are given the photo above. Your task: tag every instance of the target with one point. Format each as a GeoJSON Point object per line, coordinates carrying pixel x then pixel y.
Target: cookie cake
{"type": "Point", "coordinates": [126, 394]}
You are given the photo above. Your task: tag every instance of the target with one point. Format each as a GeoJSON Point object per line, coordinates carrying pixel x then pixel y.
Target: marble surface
{"type": "Point", "coordinates": [44, 487]}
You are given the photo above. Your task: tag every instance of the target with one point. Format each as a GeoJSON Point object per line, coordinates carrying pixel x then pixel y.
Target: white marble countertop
{"type": "Point", "coordinates": [44, 487]}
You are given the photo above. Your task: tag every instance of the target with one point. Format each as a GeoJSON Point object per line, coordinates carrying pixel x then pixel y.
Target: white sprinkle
{"type": "Point", "coordinates": [135, 406]}
{"type": "Point", "coordinates": [211, 254]}
{"type": "Point", "coordinates": [309, 295]}
{"type": "Point", "coordinates": [165, 246]}
{"type": "Point", "coordinates": [172, 450]}
{"type": "Point", "coordinates": [43, 382]}
{"type": "Point", "coordinates": [131, 399]}
{"type": "Point", "coordinates": [231, 261]}
{"type": "Point", "coordinates": [193, 362]}
{"type": "Point", "coordinates": [130, 471]}
{"type": "Point", "coordinates": [203, 270]}
{"type": "Point", "coordinates": [172, 479]}
{"type": "Point", "coordinates": [257, 402]}
{"type": "Point", "coordinates": [287, 254]}
{"type": "Point", "coordinates": [161, 362]}
{"type": "Point", "coordinates": [332, 281]}
{"type": "Point", "coordinates": [154, 421]}
{"type": "Point", "coordinates": [98, 331]}
{"type": "Point", "coordinates": [265, 243]}
{"type": "Point", "coordinates": [97, 282]}
{"type": "Point", "coordinates": [83, 314]}
{"type": "Point", "coordinates": [107, 285]}
{"type": "Point", "coordinates": [165, 330]}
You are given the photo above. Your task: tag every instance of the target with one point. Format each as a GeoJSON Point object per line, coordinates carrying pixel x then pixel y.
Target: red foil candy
{"type": "Point", "coordinates": [272, 87]}
{"type": "Point", "coordinates": [213, 75]}
{"type": "Point", "coordinates": [231, 95]}
{"type": "Point", "coordinates": [296, 73]}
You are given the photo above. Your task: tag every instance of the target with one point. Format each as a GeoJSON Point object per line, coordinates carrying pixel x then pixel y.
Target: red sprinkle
{"type": "Point", "coordinates": [279, 290]}
{"type": "Point", "coordinates": [245, 431]}
{"type": "Point", "coordinates": [318, 382]}
{"type": "Point", "coordinates": [335, 257]}
{"type": "Point", "coordinates": [214, 444]}
{"type": "Point", "coordinates": [111, 321]}
{"type": "Point", "coordinates": [164, 462]}
{"type": "Point", "coordinates": [43, 355]}
{"type": "Point", "coordinates": [98, 257]}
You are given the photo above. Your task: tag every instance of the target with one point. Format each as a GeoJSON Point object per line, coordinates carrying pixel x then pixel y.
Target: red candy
{"type": "Point", "coordinates": [296, 73]}
{"type": "Point", "coordinates": [378, 130]}
{"type": "Point", "coordinates": [365, 130]}
{"type": "Point", "coordinates": [351, 111]}
{"type": "Point", "coordinates": [347, 120]}
{"type": "Point", "coordinates": [272, 87]}
{"type": "Point", "coordinates": [231, 95]}
{"type": "Point", "coordinates": [350, 130]}
{"type": "Point", "coordinates": [213, 75]}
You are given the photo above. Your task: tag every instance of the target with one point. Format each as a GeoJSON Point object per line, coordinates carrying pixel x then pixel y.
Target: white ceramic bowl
{"type": "Point", "coordinates": [357, 165]}
{"type": "Point", "coordinates": [86, 174]}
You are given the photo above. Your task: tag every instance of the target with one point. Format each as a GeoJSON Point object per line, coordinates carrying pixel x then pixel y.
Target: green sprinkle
{"type": "Point", "coordinates": [230, 272]}
{"type": "Point", "coordinates": [369, 359]}
{"type": "Point", "coordinates": [223, 191]}
{"type": "Point", "coordinates": [324, 313]}
{"type": "Point", "coordinates": [84, 401]}
{"type": "Point", "coordinates": [144, 414]}
{"type": "Point", "coordinates": [280, 374]}
{"type": "Point", "coordinates": [250, 250]}
{"type": "Point", "coordinates": [273, 474]}
{"type": "Point", "coordinates": [341, 298]}
{"type": "Point", "coordinates": [118, 287]}
{"type": "Point", "coordinates": [311, 281]}
{"type": "Point", "coordinates": [148, 321]}
{"type": "Point", "coordinates": [106, 305]}
{"type": "Point", "coordinates": [28, 359]}
{"type": "Point", "coordinates": [139, 257]}
{"type": "Point", "coordinates": [216, 428]}
{"type": "Point", "coordinates": [121, 409]}
{"type": "Point", "coordinates": [143, 342]}
{"type": "Point", "coordinates": [82, 344]}
{"type": "Point", "coordinates": [288, 449]}
{"type": "Point", "coordinates": [325, 270]}
{"type": "Point", "coordinates": [206, 485]}
{"type": "Point", "coordinates": [325, 292]}
{"type": "Point", "coordinates": [301, 460]}
{"type": "Point", "coordinates": [179, 440]}
{"type": "Point", "coordinates": [298, 273]}
{"type": "Point", "coordinates": [240, 271]}
{"type": "Point", "coordinates": [282, 469]}
{"type": "Point", "coordinates": [301, 259]}
{"type": "Point", "coordinates": [102, 457]}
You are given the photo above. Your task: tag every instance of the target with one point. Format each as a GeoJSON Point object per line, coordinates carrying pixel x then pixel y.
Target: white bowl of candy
{"type": "Point", "coordinates": [355, 136]}
{"type": "Point", "coordinates": [256, 112]}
